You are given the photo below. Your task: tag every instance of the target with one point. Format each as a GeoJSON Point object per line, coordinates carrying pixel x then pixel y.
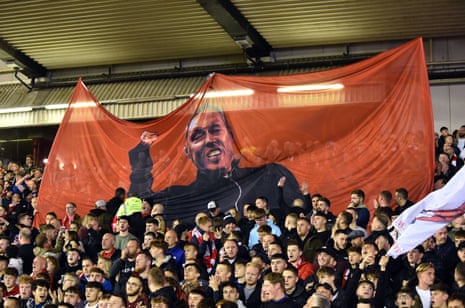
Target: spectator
{"type": "Point", "coordinates": [158, 286]}
{"type": "Point", "coordinates": [131, 210]}
{"type": "Point", "coordinates": [192, 280]}
{"type": "Point", "coordinates": [409, 264]}
{"type": "Point", "coordinates": [104, 264]}
{"type": "Point", "coordinates": [425, 275]}
{"type": "Point", "coordinates": [117, 301]}
{"type": "Point", "coordinates": [71, 240]}
{"type": "Point", "coordinates": [309, 242]}
{"type": "Point", "coordinates": [135, 294]}
{"type": "Point", "coordinates": [439, 295]}
{"type": "Point", "coordinates": [149, 237]}
{"type": "Point", "coordinates": [86, 264]}
{"type": "Point", "coordinates": [365, 293]}
{"type": "Point", "coordinates": [152, 225]}
{"type": "Point", "coordinates": [459, 277]}
{"type": "Point", "coordinates": [290, 227]}
{"type": "Point", "coordinates": [72, 262]}
{"type": "Point", "coordinates": [319, 223]}
{"type": "Point", "coordinates": [93, 294]}
{"type": "Point", "coordinates": [174, 248]}
{"type": "Point", "coordinates": [146, 209]}
{"type": "Point", "coordinates": [205, 240]}
{"type": "Point", "coordinates": [97, 275]}
{"type": "Point", "coordinates": [405, 298]}
{"type": "Point", "coordinates": [339, 245]}
{"type": "Point", "coordinates": [162, 260]}
{"type": "Point", "coordinates": [214, 210]}
{"type": "Point", "coordinates": [293, 286]}
{"type": "Point", "coordinates": [356, 238]}
{"type": "Point", "coordinates": [252, 287]}
{"type": "Point", "coordinates": [324, 290]}
{"type": "Point", "coordinates": [230, 228]}
{"type": "Point", "coordinates": [123, 236]}
{"type": "Point", "coordinates": [143, 265]}
{"type": "Point", "coordinates": [25, 288]}
{"type": "Point", "coordinates": [265, 237]}
{"type": "Point", "coordinates": [294, 254]}
{"type": "Point", "coordinates": [278, 263]}
{"type": "Point", "coordinates": [39, 297]}
{"type": "Point", "coordinates": [3, 266]}
{"type": "Point", "coordinates": [69, 280]}
{"type": "Point", "coordinates": [260, 220]}
{"type": "Point", "coordinates": [384, 200]}
{"type": "Point", "coordinates": [239, 273]}
{"type": "Point", "coordinates": [11, 302]}
{"type": "Point", "coordinates": [108, 248]}
{"type": "Point", "coordinates": [456, 300]}
{"type": "Point", "coordinates": [4, 243]}
{"type": "Point", "coordinates": [9, 279]}
{"type": "Point", "coordinates": [90, 234]}
{"type": "Point", "coordinates": [273, 292]}
{"type": "Point", "coordinates": [103, 216]}
{"type": "Point", "coordinates": [39, 265]}
{"type": "Point", "coordinates": [72, 296]}
{"type": "Point", "coordinates": [223, 273]}
{"type": "Point", "coordinates": [115, 202]}
{"type": "Point", "coordinates": [322, 205]}
{"type": "Point", "coordinates": [24, 221]}
{"type": "Point", "coordinates": [231, 293]}
{"type": "Point", "coordinates": [232, 252]}
{"type": "Point", "coordinates": [275, 215]}
{"type": "Point", "coordinates": [71, 215]}
{"type": "Point", "coordinates": [317, 301]}
{"type": "Point", "coordinates": [274, 248]}
{"type": "Point", "coordinates": [357, 199]}
{"type": "Point", "coordinates": [195, 297]}
{"type": "Point", "coordinates": [353, 225]}
{"type": "Point", "coordinates": [124, 266]}
{"type": "Point", "coordinates": [445, 252]}
{"type": "Point", "coordinates": [402, 201]}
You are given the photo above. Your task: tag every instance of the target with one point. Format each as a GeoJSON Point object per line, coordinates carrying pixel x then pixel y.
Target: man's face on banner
{"type": "Point", "coordinates": [209, 143]}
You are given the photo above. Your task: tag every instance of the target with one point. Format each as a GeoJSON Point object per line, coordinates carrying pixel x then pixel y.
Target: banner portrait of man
{"type": "Point", "coordinates": [367, 126]}
{"type": "Point", "coordinates": [209, 144]}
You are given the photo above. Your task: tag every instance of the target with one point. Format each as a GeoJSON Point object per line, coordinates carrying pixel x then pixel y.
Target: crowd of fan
{"type": "Point", "coordinates": [298, 255]}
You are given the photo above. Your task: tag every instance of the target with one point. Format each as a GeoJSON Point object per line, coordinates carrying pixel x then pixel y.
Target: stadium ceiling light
{"type": "Point", "coordinates": [74, 105]}
{"type": "Point", "coordinates": [311, 87]}
{"type": "Point", "coordinates": [231, 93]}
{"type": "Point", "coordinates": [56, 106]}
{"type": "Point", "coordinates": [18, 109]}
{"type": "Point", "coordinates": [83, 105]}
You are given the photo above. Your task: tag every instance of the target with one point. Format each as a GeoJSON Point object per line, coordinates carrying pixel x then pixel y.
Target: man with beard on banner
{"type": "Point", "coordinates": [210, 145]}
{"type": "Point", "coordinates": [427, 216]}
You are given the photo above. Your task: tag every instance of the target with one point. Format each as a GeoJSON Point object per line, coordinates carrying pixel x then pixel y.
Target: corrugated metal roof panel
{"type": "Point", "coordinates": [146, 110]}
{"type": "Point", "coordinates": [126, 100]}
{"type": "Point", "coordinates": [69, 34]}
{"type": "Point", "coordinates": [293, 23]}
{"type": "Point", "coordinates": [133, 90]}
{"type": "Point", "coordinates": [146, 89]}
{"type": "Point", "coordinates": [57, 96]}
{"type": "Point", "coordinates": [37, 117]}
{"type": "Point", "coordinates": [10, 94]}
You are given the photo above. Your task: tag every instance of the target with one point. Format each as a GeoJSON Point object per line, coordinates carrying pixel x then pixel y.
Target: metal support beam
{"type": "Point", "coordinates": [28, 66]}
{"type": "Point", "coordinates": [238, 27]}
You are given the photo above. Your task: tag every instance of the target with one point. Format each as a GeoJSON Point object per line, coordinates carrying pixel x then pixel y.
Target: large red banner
{"type": "Point", "coordinates": [365, 126]}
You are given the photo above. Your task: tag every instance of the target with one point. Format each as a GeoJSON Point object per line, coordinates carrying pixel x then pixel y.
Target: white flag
{"type": "Point", "coordinates": [430, 214]}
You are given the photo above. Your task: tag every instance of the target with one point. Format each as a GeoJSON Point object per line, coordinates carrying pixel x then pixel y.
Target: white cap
{"type": "Point", "coordinates": [100, 203]}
